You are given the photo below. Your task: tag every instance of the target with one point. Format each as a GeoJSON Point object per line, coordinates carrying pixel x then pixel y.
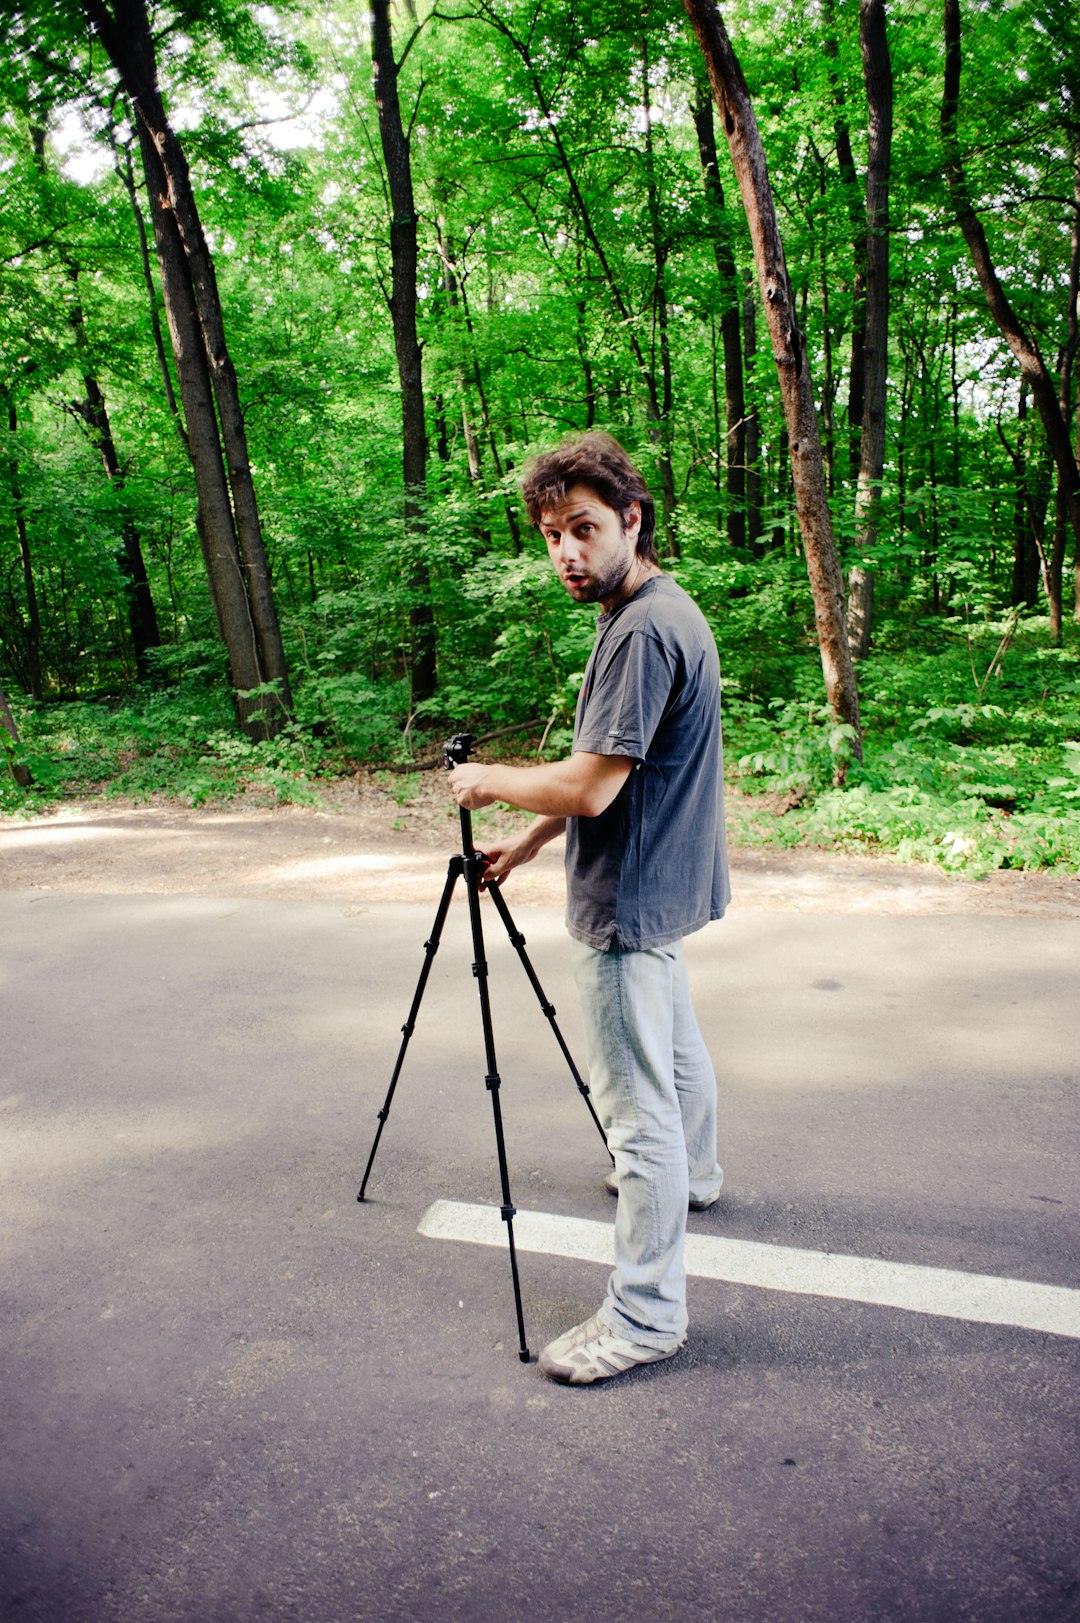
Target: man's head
{"type": "Point", "coordinates": [597, 460]}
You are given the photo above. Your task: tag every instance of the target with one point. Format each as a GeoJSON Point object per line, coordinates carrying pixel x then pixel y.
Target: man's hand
{"type": "Point", "coordinates": [467, 787]}
{"type": "Point", "coordinates": [503, 855]}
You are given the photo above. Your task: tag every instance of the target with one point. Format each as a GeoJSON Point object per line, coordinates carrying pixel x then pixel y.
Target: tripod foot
{"type": "Point", "coordinates": [525, 1355]}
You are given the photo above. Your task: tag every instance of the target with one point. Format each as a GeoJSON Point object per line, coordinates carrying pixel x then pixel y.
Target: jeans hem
{"type": "Point", "coordinates": [641, 1338]}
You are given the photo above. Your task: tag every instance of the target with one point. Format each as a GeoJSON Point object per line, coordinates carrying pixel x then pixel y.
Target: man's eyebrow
{"type": "Point", "coordinates": [571, 518]}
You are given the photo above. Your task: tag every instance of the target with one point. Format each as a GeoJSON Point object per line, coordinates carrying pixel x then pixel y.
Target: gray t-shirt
{"type": "Point", "coordinates": [653, 866]}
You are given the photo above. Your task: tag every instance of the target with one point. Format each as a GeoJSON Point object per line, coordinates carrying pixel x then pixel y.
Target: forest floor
{"type": "Point", "coordinates": [375, 837]}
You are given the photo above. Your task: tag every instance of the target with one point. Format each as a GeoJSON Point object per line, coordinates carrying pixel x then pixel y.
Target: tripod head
{"type": "Point", "coordinates": [456, 750]}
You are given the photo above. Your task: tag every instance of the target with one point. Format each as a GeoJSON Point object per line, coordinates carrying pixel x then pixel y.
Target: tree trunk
{"type": "Point", "coordinates": [581, 337]}
{"type": "Point", "coordinates": [1067, 365]}
{"type": "Point", "coordinates": [953, 327]}
{"type": "Point", "coordinates": [845, 159]}
{"type": "Point", "coordinates": [1026, 521]}
{"type": "Point", "coordinates": [450, 287]}
{"type": "Point", "coordinates": [126, 170]}
{"type": "Point", "coordinates": [142, 615]}
{"type": "Point", "coordinates": [1022, 345]}
{"type": "Point", "coordinates": [907, 396]}
{"type": "Point", "coordinates": [214, 516]}
{"type": "Point", "coordinates": [1055, 564]}
{"type": "Point", "coordinates": [719, 435]}
{"type": "Point", "coordinates": [442, 433]}
{"type": "Point", "coordinates": [828, 425]}
{"type": "Point", "coordinates": [485, 412]}
{"type": "Point", "coordinates": [248, 527]}
{"type": "Point", "coordinates": [877, 72]}
{"type": "Point", "coordinates": [403, 255]}
{"type": "Point", "coordinates": [753, 426]}
{"type": "Point", "coordinates": [228, 515]}
{"type": "Point", "coordinates": [22, 774]}
{"type": "Point", "coordinates": [662, 431]}
{"type": "Point", "coordinates": [34, 675]}
{"type": "Point", "coordinates": [789, 351]}
{"type": "Point", "coordinates": [735, 457]}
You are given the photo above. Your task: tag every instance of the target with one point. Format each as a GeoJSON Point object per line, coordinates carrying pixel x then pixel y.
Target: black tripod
{"type": "Point", "coordinates": [470, 863]}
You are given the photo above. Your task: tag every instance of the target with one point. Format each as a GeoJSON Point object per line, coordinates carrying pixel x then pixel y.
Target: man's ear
{"type": "Point", "coordinates": [632, 517]}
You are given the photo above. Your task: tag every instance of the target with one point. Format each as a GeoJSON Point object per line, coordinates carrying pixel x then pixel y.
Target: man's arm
{"type": "Point", "coordinates": [583, 785]}
{"type": "Point", "coordinates": [502, 855]}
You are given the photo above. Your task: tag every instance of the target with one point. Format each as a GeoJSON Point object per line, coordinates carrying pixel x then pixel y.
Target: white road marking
{"type": "Point", "coordinates": [980, 1298]}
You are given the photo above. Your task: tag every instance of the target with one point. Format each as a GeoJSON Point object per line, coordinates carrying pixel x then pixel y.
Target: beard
{"type": "Point", "coordinates": [605, 585]}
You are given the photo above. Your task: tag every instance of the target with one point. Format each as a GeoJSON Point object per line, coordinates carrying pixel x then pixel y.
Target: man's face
{"type": "Point", "coordinates": [590, 549]}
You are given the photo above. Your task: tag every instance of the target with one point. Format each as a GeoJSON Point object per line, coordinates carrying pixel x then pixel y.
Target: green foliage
{"type": "Point", "coordinates": [179, 743]}
{"type": "Point", "coordinates": [359, 717]}
{"type": "Point", "coordinates": [966, 780]}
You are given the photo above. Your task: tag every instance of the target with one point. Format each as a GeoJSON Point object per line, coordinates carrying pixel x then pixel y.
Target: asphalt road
{"type": "Point", "coordinates": [232, 1393]}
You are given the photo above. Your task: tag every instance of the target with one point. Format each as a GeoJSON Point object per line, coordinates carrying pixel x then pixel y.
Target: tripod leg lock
{"type": "Point", "coordinates": [508, 1213]}
{"type": "Point", "coordinates": [493, 1082]}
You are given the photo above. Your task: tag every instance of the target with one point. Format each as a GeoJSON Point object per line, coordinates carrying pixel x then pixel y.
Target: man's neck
{"type": "Point", "coordinates": [639, 572]}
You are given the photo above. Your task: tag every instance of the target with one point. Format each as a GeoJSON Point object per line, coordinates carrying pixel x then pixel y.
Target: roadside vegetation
{"type": "Point", "coordinates": [972, 747]}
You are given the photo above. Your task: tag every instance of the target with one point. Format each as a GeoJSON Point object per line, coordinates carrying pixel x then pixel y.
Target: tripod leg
{"type": "Point", "coordinates": [492, 1079]}
{"type": "Point", "coordinates": [431, 947]}
{"type": "Point", "coordinates": [517, 941]}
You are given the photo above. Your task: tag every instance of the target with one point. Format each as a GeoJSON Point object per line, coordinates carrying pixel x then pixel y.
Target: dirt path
{"type": "Point", "coordinates": [384, 841]}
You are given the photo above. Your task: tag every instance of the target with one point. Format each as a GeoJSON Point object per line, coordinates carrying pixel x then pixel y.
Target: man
{"type": "Point", "coordinates": [641, 802]}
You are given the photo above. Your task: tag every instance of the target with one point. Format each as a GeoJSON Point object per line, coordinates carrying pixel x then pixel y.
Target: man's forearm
{"type": "Point", "coordinates": [579, 786]}
{"type": "Point", "coordinates": [542, 830]}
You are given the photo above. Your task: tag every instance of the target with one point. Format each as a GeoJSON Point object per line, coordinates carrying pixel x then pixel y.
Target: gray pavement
{"type": "Point", "coordinates": [231, 1393]}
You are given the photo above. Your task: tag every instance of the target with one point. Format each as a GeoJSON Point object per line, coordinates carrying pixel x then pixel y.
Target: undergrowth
{"type": "Point", "coordinates": [971, 757]}
{"type": "Point", "coordinates": [972, 746]}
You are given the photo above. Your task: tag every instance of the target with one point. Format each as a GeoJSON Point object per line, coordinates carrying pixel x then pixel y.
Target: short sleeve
{"type": "Point", "coordinates": [628, 692]}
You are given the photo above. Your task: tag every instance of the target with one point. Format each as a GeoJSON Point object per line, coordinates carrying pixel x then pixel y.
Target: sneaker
{"type": "Point", "coordinates": [611, 1184]}
{"type": "Point", "coordinates": [591, 1352]}
{"type": "Point", "coordinates": [705, 1205]}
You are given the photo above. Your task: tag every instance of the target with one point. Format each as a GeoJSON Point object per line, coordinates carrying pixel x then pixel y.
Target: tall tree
{"type": "Point", "coordinates": [1067, 371]}
{"type": "Point", "coordinates": [93, 411]}
{"type": "Point", "coordinates": [403, 251]}
{"type": "Point", "coordinates": [661, 430]}
{"type": "Point", "coordinates": [1020, 340]}
{"type": "Point", "coordinates": [229, 524]}
{"type": "Point", "coordinates": [735, 456]}
{"type": "Point", "coordinates": [877, 73]}
{"type": "Point", "coordinates": [845, 158]}
{"type": "Point", "coordinates": [32, 629]}
{"type": "Point", "coordinates": [789, 351]}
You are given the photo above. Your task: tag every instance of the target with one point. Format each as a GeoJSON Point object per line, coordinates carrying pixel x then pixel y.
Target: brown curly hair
{"type": "Point", "coordinates": [598, 460]}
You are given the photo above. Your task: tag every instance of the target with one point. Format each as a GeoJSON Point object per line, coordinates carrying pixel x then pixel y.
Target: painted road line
{"type": "Point", "coordinates": [980, 1298]}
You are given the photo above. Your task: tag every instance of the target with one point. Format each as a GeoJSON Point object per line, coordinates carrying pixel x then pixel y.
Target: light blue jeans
{"type": "Point", "coordinates": [654, 1089]}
